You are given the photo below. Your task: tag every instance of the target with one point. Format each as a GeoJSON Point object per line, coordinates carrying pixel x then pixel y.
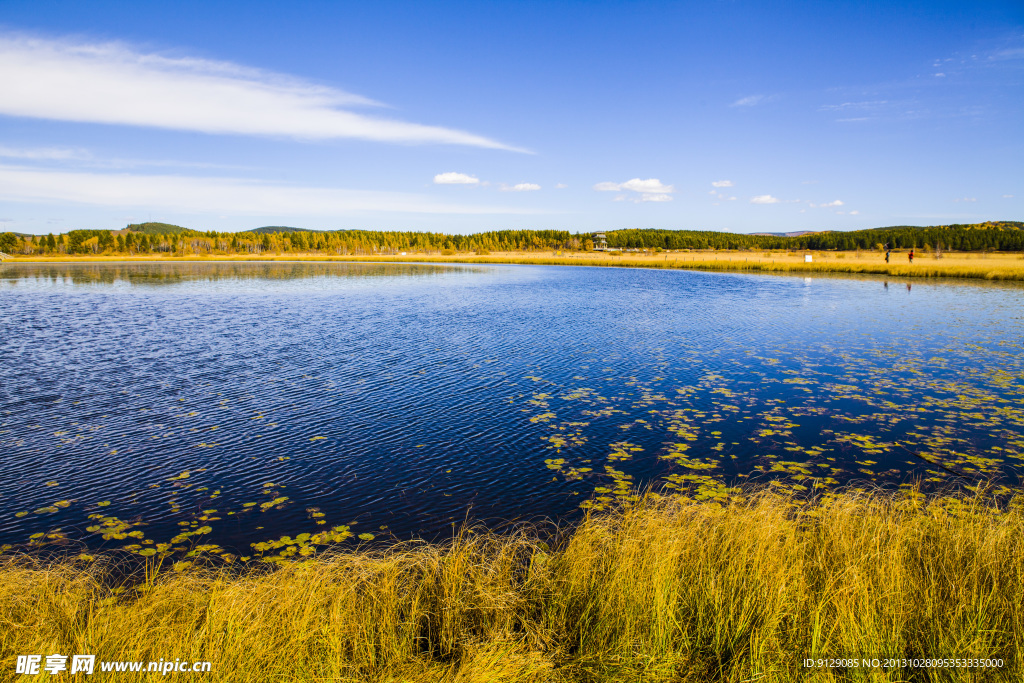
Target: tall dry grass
{"type": "Point", "coordinates": [669, 590]}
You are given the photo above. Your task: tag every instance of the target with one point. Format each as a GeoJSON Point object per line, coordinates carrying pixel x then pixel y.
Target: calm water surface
{"type": "Point", "coordinates": [237, 403]}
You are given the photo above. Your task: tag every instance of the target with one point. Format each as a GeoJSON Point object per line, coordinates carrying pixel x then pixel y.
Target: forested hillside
{"type": "Point", "coordinates": [164, 238]}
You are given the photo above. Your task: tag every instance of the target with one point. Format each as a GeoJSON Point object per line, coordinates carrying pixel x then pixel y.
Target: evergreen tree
{"type": "Point", "coordinates": [9, 242]}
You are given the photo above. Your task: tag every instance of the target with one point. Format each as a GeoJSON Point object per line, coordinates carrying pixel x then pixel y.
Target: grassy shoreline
{"type": "Point", "coordinates": [669, 590]}
{"type": "Point", "coordinates": [1004, 267]}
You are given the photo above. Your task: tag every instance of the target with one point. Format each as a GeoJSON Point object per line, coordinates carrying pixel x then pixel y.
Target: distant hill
{"type": "Point", "coordinates": [796, 233]}
{"type": "Point", "coordinates": [156, 228]}
{"type": "Point", "coordinates": [987, 225]}
{"type": "Point", "coordinates": [270, 229]}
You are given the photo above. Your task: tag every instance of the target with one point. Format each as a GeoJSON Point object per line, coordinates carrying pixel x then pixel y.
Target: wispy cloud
{"type": "Point", "coordinates": [43, 153]}
{"type": "Point", "coordinates": [753, 100]}
{"type": "Point", "coordinates": [214, 194]}
{"type": "Point", "coordinates": [452, 178]}
{"type": "Point", "coordinates": [84, 158]}
{"type": "Point", "coordinates": [764, 199]}
{"type": "Point", "coordinates": [650, 190]}
{"type": "Point", "coordinates": [521, 187]}
{"type": "Point", "coordinates": [721, 183]}
{"type": "Point", "coordinates": [866, 110]}
{"type": "Point", "coordinates": [749, 101]}
{"type": "Point", "coordinates": [855, 106]}
{"type": "Point", "coordinates": [1016, 52]}
{"type": "Point", "coordinates": [966, 199]}
{"type": "Point", "coordinates": [111, 83]}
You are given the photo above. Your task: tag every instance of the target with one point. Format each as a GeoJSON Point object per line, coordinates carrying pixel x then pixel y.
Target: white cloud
{"type": "Point", "coordinates": [855, 213]}
{"type": "Point", "coordinates": [650, 190]}
{"type": "Point", "coordinates": [522, 187]}
{"type": "Point", "coordinates": [113, 84]}
{"type": "Point", "coordinates": [940, 75]}
{"type": "Point", "coordinates": [561, 186]}
{"type": "Point", "coordinates": [835, 203]}
{"type": "Point", "coordinates": [764, 199]}
{"type": "Point", "coordinates": [730, 199]}
{"type": "Point", "coordinates": [453, 178]}
{"type": "Point", "coordinates": [1007, 196]}
{"type": "Point", "coordinates": [651, 185]}
{"type": "Point", "coordinates": [722, 183]}
{"type": "Point", "coordinates": [966, 199]}
{"type": "Point", "coordinates": [215, 195]}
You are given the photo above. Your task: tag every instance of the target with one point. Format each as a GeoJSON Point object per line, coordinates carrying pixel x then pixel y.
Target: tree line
{"type": "Point", "coordinates": [161, 238]}
{"type": "Point", "coordinates": [992, 236]}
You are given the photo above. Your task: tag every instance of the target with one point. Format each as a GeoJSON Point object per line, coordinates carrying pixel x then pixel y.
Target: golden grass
{"type": "Point", "coordinates": [952, 265]}
{"type": "Point", "coordinates": [670, 590]}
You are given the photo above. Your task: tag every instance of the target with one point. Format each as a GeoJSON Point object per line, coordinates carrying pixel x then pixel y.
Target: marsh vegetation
{"type": "Point", "coordinates": [666, 589]}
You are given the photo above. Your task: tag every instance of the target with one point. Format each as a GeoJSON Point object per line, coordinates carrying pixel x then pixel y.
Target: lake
{"type": "Point", "coordinates": [220, 405]}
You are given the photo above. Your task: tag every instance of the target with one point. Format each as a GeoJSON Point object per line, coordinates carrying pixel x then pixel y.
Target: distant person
{"type": "Point", "coordinates": [886, 255]}
{"type": "Point", "coordinates": [911, 256]}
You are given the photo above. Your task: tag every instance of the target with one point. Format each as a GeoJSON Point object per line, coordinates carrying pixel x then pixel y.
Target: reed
{"type": "Point", "coordinates": [667, 590]}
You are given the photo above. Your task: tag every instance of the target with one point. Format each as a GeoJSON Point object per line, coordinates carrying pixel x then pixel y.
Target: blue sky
{"type": "Point", "coordinates": [462, 117]}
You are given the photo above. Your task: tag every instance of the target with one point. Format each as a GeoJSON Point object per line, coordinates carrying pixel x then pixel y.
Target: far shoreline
{"type": "Point", "coordinates": [954, 265]}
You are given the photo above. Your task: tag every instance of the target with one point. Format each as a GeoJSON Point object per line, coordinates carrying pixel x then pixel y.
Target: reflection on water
{"type": "Point", "coordinates": [265, 408]}
{"type": "Point", "coordinates": [142, 274]}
